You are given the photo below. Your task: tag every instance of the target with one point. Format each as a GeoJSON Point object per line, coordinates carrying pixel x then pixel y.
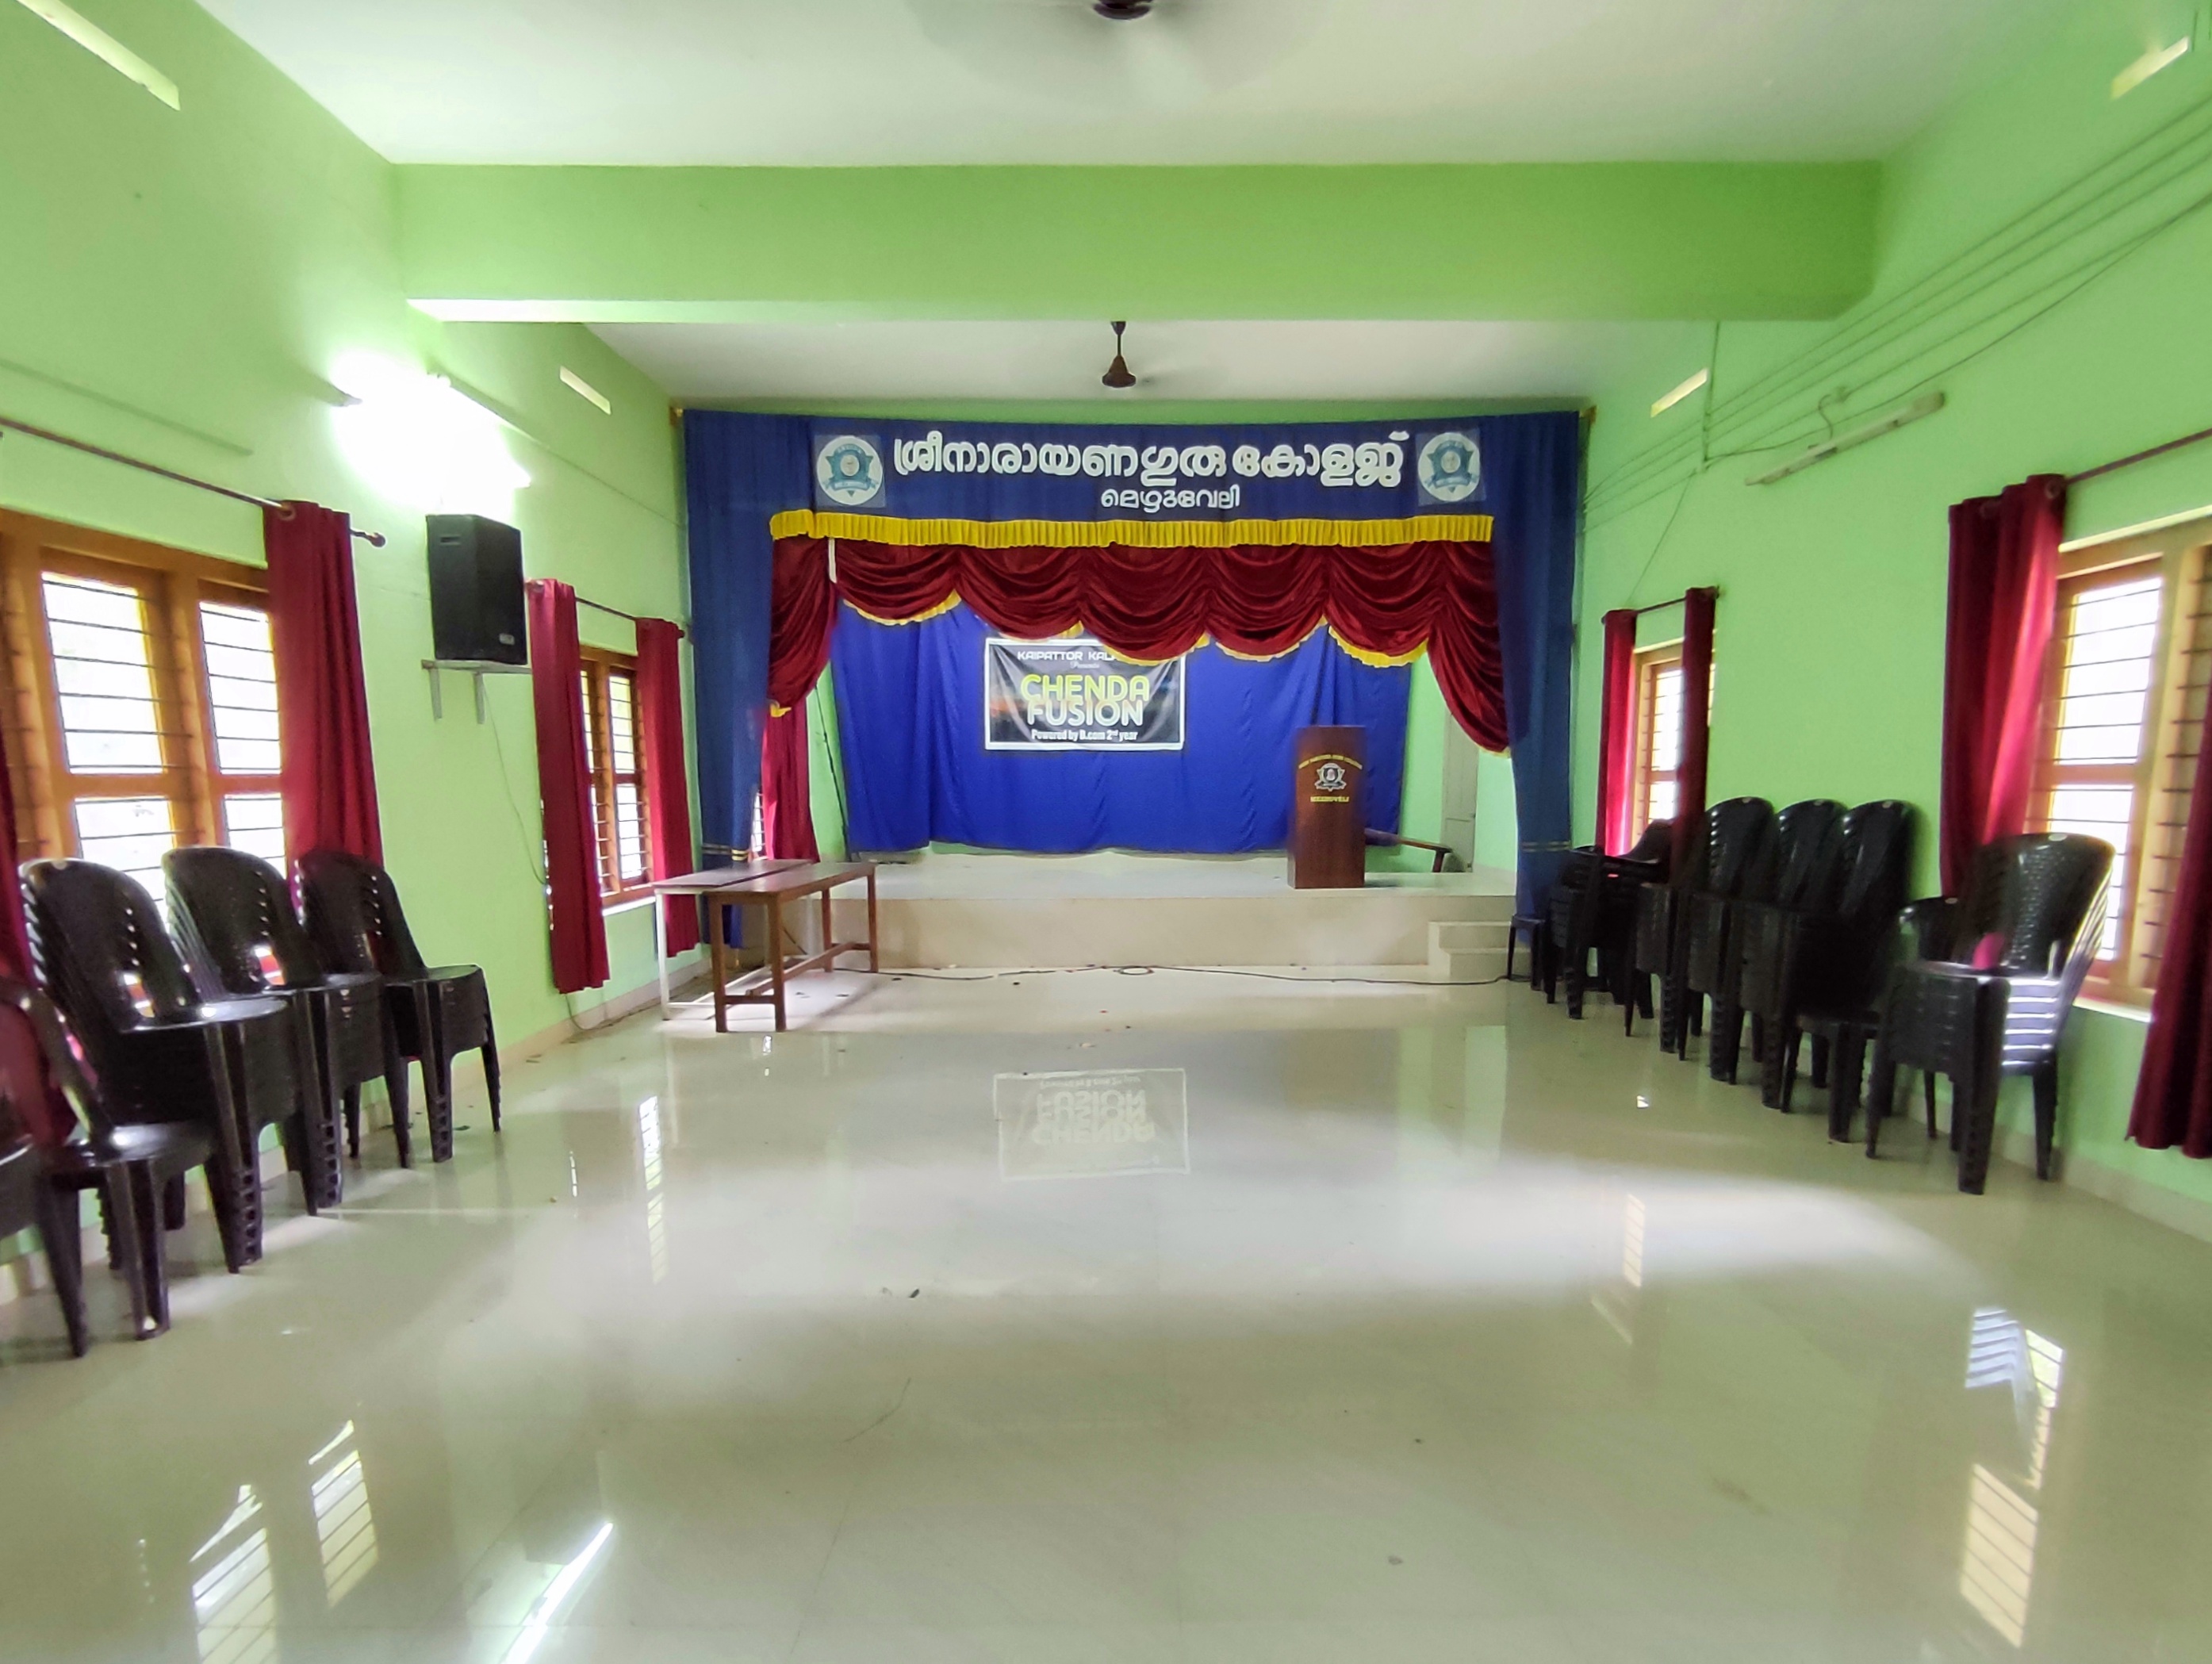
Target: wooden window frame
{"type": "Point", "coordinates": [170, 583]}
{"type": "Point", "coordinates": [1650, 662]}
{"type": "Point", "coordinates": [2178, 556]}
{"type": "Point", "coordinates": [600, 665]}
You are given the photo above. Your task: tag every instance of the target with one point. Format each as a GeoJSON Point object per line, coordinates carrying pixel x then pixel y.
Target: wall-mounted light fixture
{"type": "Point", "coordinates": [1926, 405]}
{"type": "Point", "coordinates": [1671, 399]}
{"type": "Point", "coordinates": [585, 391]}
{"type": "Point", "coordinates": [106, 48]}
{"type": "Point", "coordinates": [421, 442]}
{"type": "Point", "coordinates": [2137, 73]}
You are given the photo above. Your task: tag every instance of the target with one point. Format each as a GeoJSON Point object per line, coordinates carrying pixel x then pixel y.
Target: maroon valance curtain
{"type": "Point", "coordinates": [669, 852]}
{"type": "Point", "coordinates": [2003, 604]}
{"type": "Point", "coordinates": [1616, 736]}
{"type": "Point", "coordinates": [1155, 604]}
{"type": "Point", "coordinates": [2173, 1092]}
{"type": "Point", "coordinates": [564, 790]}
{"type": "Point", "coordinates": [322, 704]}
{"type": "Point", "coordinates": [1698, 607]}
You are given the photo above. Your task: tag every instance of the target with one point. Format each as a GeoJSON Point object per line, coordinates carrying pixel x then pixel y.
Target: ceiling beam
{"type": "Point", "coordinates": [1622, 240]}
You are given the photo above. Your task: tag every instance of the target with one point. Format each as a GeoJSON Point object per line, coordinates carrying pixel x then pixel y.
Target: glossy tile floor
{"type": "Point", "coordinates": [1137, 1318]}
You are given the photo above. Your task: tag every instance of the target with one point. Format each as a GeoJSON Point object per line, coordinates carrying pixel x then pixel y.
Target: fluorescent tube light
{"type": "Point", "coordinates": [585, 391]}
{"type": "Point", "coordinates": [1926, 405]}
{"type": "Point", "coordinates": [114, 53]}
{"type": "Point", "coordinates": [2129, 78]}
{"type": "Point", "coordinates": [1682, 392]}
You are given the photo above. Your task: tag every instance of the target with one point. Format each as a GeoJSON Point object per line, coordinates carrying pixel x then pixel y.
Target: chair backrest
{"type": "Point", "coordinates": [235, 924]}
{"type": "Point", "coordinates": [1807, 845]}
{"type": "Point", "coordinates": [99, 945]}
{"type": "Point", "coordinates": [40, 1071]}
{"type": "Point", "coordinates": [1656, 845]}
{"type": "Point", "coordinates": [354, 916]}
{"type": "Point", "coordinates": [2035, 905]}
{"type": "Point", "coordinates": [1873, 860]}
{"type": "Point", "coordinates": [1738, 842]}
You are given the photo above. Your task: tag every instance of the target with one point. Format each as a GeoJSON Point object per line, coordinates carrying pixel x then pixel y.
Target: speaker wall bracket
{"type": "Point", "coordinates": [476, 670]}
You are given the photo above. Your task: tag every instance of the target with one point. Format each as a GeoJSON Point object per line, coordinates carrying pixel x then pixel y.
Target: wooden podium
{"type": "Point", "coordinates": [1328, 810]}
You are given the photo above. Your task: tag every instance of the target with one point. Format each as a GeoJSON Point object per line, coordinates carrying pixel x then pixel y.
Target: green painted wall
{"type": "Point", "coordinates": [1615, 240]}
{"type": "Point", "coordinates": [2045, 262]}
{"type": "Point", "coordinates": [185, 287]}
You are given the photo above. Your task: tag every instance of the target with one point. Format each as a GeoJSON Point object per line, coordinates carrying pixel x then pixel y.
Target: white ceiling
{"type": "Point", "coordinates": [899, 81]}
{"type": "Point", "coordinates": [1478, 362]}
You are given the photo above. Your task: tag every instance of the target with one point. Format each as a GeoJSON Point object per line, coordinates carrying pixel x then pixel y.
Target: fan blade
{"type": "Point", "coordinates": [1184, 52]}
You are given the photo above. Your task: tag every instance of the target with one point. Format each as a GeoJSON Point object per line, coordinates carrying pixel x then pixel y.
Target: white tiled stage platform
{"type": "Point", "coordinates": [1117, 909]}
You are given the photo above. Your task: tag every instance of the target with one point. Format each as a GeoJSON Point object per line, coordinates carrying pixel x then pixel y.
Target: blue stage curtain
{"type": "Point", "coordinates": [1532, 470]}
{"type": "Point", "coordinates": [738, 470]}
{"type": "Point", "coordinates": [910, 718]}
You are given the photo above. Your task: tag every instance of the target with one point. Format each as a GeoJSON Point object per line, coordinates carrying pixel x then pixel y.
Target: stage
{"type": "Point", "coordinates": [944, 910]}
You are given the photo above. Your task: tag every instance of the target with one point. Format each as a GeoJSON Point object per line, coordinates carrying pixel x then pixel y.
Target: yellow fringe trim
{"type": "Point", "coordinates": [1136, 534]}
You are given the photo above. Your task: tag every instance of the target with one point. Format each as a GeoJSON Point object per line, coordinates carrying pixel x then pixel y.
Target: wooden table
{"type": "Point", "coordinates": [768, 885]}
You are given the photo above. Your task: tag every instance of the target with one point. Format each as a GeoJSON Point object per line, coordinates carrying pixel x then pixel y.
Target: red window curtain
{"type": "Point", "coordinates": [1616, 736]}
{"type": "Point", "coordinates": [2173, 1093]}
{"type": "Point", "coordinates": [564, 790]}
{"type": "Point", "coordinates": [22, 1066]}
{"type": "Point", "coordinates": [322, 704]}
{"type": "Point", "coordinates": [1154, 604]}
{"type": "Point", "coordinates": [667, 787]}
{"type": "Point", "coordinates": [1697, 606]}
{"type": "Point", "coordinates": [2005, 599]}
{"type": "Point", "coordinates": [786, 794]}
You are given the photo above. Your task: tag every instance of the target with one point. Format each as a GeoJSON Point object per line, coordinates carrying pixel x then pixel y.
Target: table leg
{"type": "Point", "coordinates": [661, 946]}
{"type": "Point", "coordinates": [720, 952]}
{"type": "Point", "coordinates": [776, 954]}
{"type": "Point", "coordinates": [873, 961]}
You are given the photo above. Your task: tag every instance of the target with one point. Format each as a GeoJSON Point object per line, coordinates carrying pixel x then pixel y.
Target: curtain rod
{"type": "Point", "coordinates": [597, 606]}
{"type": "Point", "coordinates": [2197, 438]}
{"type": "Point", "coordinates": [1662, 607]}
{"type": "Point", "coordinates": [375, 539]}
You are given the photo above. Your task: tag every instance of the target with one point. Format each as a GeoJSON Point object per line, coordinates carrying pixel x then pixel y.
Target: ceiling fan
{"type": "Point", "coordinates": [1119, 52]}
{"type": "Point", "coordinates": [1118, 374]}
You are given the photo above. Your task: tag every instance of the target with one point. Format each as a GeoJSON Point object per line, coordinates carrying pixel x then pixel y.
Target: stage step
{"type": "Point", "coordinates": [1382, 925]}
{"type": "Point", "coordinates": [1467, 951]}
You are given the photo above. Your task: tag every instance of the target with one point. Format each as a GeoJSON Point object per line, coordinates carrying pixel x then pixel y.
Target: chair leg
{"type": "Point", "coordinates": [126, 1210]}
{"type": "Point", "coordinates": [1974, 1104]}
{"type": "Point", "coordinates": [239, 1140]}
{"type": "Point", "coordinates": [1513, 939]}
{"type": "Point", "coordinates": [1882, 1094]}
{"type": "Point", "coordinates": [174, 1202]}
{"type": "Point", "coordinates": [1724, 1054]}
{"type": "Point", "coordinates": [1758, 1039]}
{"type": "Point", "coordinates": [395, 1092]}
{"type": "Point", "coordinates": [2046, 1116]}
{"type": "Point", "coordinates": [1773, 1084]}
{"type": "Point", "coordinates": [1928, 1093]}
{"type": "Point", "coordinates": [300, 1158]}
{"type": "Point", "coordinates": [352, 1102]}
{"type": "Point", "coordinates": [1670, 1014]}
{"type": "Point", "coordinates": [151, 1286]}
{"type": "Point", "coordinates": [490, 1055]}
{"type": "Point", "coordinates": [59, 1230]}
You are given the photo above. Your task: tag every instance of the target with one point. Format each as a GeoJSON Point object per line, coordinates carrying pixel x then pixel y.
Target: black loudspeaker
{"type": "Point", "coordinates": [476, 591]}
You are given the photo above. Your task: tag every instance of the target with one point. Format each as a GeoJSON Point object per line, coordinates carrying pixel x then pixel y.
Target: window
{"type": "Point", "coordinates": [1658, 732]}
{"type": "Point", "coordinates": [2130, 657]}
{"type": "Point", "coordinates": [140, 699]}
{"type": "Point", "coordinates": [610, 754]}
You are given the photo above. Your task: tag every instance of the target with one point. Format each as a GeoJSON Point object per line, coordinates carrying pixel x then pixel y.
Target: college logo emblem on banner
{"type": "Point", "coordinates": [1449, 467]}
{"type": "Point", "coordinates": [1074, 693]}
{"type": "Point", "coordinates": [848, 472]}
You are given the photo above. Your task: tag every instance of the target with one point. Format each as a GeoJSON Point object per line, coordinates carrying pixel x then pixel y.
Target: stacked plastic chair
{"type": "Point", "coordinates": [1793, 865]}
{"type": "Point", "coordinates": [242, 940]}
{"type": "Point", "coordinates": [353, 915]}
{"type": "Point", "coordinates": [130, 1167]}
{"type": "Point", "coordinates": [1731, 840]}
{"type": "Point", "coordinates": [2004, 965]}
{"type": "Point", "coordinates": [161, 1053]}
{"type": "Point", "coordinates": [1817, 966]}
{"type": "Point", "coordinates": [1591, 908]}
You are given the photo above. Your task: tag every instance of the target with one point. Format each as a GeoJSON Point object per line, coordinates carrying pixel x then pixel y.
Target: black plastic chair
{"type": "Point", "coordinates": [1795, 865]}
{"type": "Point", "coordinates": [30, 1199]}
{"type": "Point", "coordinates": [1731, 839]}
{"type": "Point", "coordinates": [242, 940]}
{"type": "Point", "coordinates": [1818, 967]}
{"type": "Point", "coordinates": [2012, 954]}
{"type": "Point", "coordinates": [1591, 908]}
{"type": "Point", "coordinates": [132, 1168]}
{"type": "Point", "coordinates": [353, 914]}
{"type": "Point", "coordinates": [160, 1052]}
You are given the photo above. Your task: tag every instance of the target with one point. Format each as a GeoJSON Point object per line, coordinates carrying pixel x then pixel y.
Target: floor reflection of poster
{"type": "Point", "coordinates": [1093, 1124]}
